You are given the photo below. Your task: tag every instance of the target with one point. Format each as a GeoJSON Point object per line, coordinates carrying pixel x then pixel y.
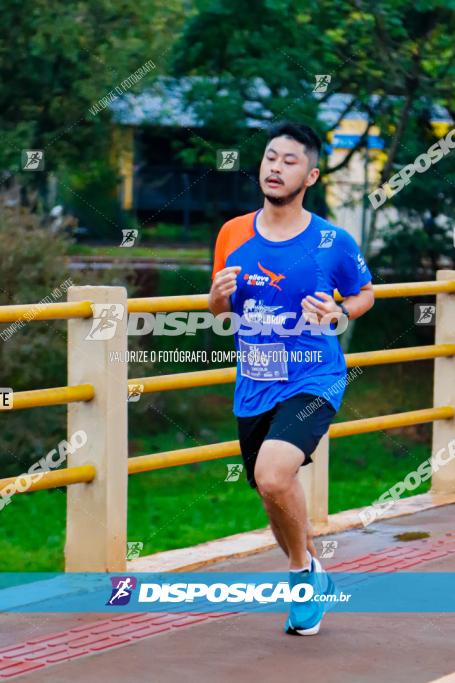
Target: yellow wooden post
{"type": "Point", "coordinates": [315, 482]}
{"type": "Point", "coordinates": [443, 461]}
{"type": "Point", "coordinates": [96, 511]}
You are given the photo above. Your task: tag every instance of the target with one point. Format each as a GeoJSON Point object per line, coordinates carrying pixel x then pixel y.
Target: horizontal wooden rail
{"type": "Point", "coordinates": [183, 456]}
{"type": "Point", "coordinates": [187, 456]}
{"type": "Point", "coordinates": [168, 304]}
{"type": "Point", "coordinates": [200, 301]}
{"type": "Point", "coordinates": [185, 380]}
{"type": "Point", "coordinates": [406, 354]}
{"type": "Point", "coordinates": [200, 378]}
{"type": "Point", "coordinates": [54, 479]}
{"type": "Point", "coordinates": [376, 424]}
{"type": "Point", "coordinates": [193, 302]}
{"type": "Point", "coordinates": [51, 397]}
{"type": "Point", "coordinates": [404, 289]}
{"type": "Point", "coordinates": [29, 312]}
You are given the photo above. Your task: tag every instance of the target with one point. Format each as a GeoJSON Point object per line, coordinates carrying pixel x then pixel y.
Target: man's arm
{"type": "Point", "coordinates": [224, 284]}
{"type": "Point", "coordinates": [356, 305]}
{"type": "Point", "coordinates": [360, 303]}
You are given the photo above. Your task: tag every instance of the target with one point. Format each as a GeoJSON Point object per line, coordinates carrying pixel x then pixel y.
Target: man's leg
{"type": "Point", "coordinates": [280, 538]}
{"type": "Point", "coordinates": [309, 540]}
{"type": "Point", "coordinates": [275, 529]}
{"type": "Point", "coordinates": [276, 475]}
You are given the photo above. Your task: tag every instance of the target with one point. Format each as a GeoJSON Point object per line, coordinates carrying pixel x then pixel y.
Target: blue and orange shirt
{"type": "Point", "coordinates": [275, 363]}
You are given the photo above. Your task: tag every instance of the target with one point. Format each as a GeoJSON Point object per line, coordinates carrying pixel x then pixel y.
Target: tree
{"type": "Point", "coordinates": [35, 269]}
{"type": "Point", "coordinates": [395, 59]}
{"type": "Point", "coordinates": [57, 63]}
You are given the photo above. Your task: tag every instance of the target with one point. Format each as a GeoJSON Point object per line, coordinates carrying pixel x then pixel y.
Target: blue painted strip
{"type": "Point", "coordinates": [370, 592]}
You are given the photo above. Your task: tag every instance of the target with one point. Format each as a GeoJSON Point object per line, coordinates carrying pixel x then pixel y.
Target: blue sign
{"type": "Point", "coordinates": [367, 592]}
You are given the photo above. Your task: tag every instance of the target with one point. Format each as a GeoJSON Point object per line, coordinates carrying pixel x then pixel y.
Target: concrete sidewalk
{"type": "Point", "coordinates": [350, 648]}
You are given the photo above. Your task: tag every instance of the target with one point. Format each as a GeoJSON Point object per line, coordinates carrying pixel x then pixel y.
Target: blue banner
{"type": "Point", "coordinates": [378, 592]}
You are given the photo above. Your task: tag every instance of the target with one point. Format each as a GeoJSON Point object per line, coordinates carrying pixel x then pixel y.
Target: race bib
{"type": "Point", "coordinates": [263, 362]}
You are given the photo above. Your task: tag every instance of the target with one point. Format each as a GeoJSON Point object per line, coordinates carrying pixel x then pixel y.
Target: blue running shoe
{"type": "Point", "coordinates": [305, 617]}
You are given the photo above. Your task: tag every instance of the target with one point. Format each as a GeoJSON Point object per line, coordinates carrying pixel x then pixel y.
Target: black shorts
{"type": "Point", "coordinates": [301, 420]}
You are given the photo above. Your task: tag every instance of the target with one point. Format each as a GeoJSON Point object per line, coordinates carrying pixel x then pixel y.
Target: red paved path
{"type": "Point", "coordinates": [165, 648]}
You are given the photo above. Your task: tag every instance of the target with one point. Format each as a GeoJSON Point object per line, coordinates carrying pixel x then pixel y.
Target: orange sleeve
{"type": "Point", "coordinates": [219, 257]}
{"type": "Point", "coordinates": [231, 236]}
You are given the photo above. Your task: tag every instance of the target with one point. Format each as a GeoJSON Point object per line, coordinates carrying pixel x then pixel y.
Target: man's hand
{"type": "Point", "coordinates": [356, 304]}
{"type": "Point", "coordinates": [312, 307]}
{"type": "Point", "coordinates": [224, 284]}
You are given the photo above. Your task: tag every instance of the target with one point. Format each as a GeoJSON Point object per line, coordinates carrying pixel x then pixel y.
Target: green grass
{"type": "Point", "coordinates": [181, 506]}
{"type": "Point", "coordinates": [33, 527]}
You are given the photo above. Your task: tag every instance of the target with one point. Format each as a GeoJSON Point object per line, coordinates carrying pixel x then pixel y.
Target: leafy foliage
{"type": "Point", "coordinates": [395, 59]}
{"type": "Point", "coordinates": [34, 267]}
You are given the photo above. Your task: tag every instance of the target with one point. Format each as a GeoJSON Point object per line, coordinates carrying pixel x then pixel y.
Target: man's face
{"type": "Point", "coordinates": [286, 170]}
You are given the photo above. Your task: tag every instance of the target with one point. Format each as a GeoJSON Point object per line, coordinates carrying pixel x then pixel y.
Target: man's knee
{"type": "Point", "coordinates": [272, 474]}
{"type": "Point", "coordinates": [271, 483]}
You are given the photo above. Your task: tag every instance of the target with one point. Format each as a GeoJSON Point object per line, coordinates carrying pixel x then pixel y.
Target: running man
{"type": "Point", "coordinates": [124, 588]}
{"type": "Point", "coordinates": [279, 266]}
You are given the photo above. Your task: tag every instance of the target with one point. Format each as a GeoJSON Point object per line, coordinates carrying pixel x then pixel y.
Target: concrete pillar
{"type": "Point", "coordinates": [96, 520]}
{"type": "Point", "coordinates": [315, 482]}
{"type": "Point", "coordinates": [443, 480]}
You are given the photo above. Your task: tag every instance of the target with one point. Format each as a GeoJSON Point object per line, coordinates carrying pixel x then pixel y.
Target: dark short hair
{"type": "Point", "coordinates": [300, 132]}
